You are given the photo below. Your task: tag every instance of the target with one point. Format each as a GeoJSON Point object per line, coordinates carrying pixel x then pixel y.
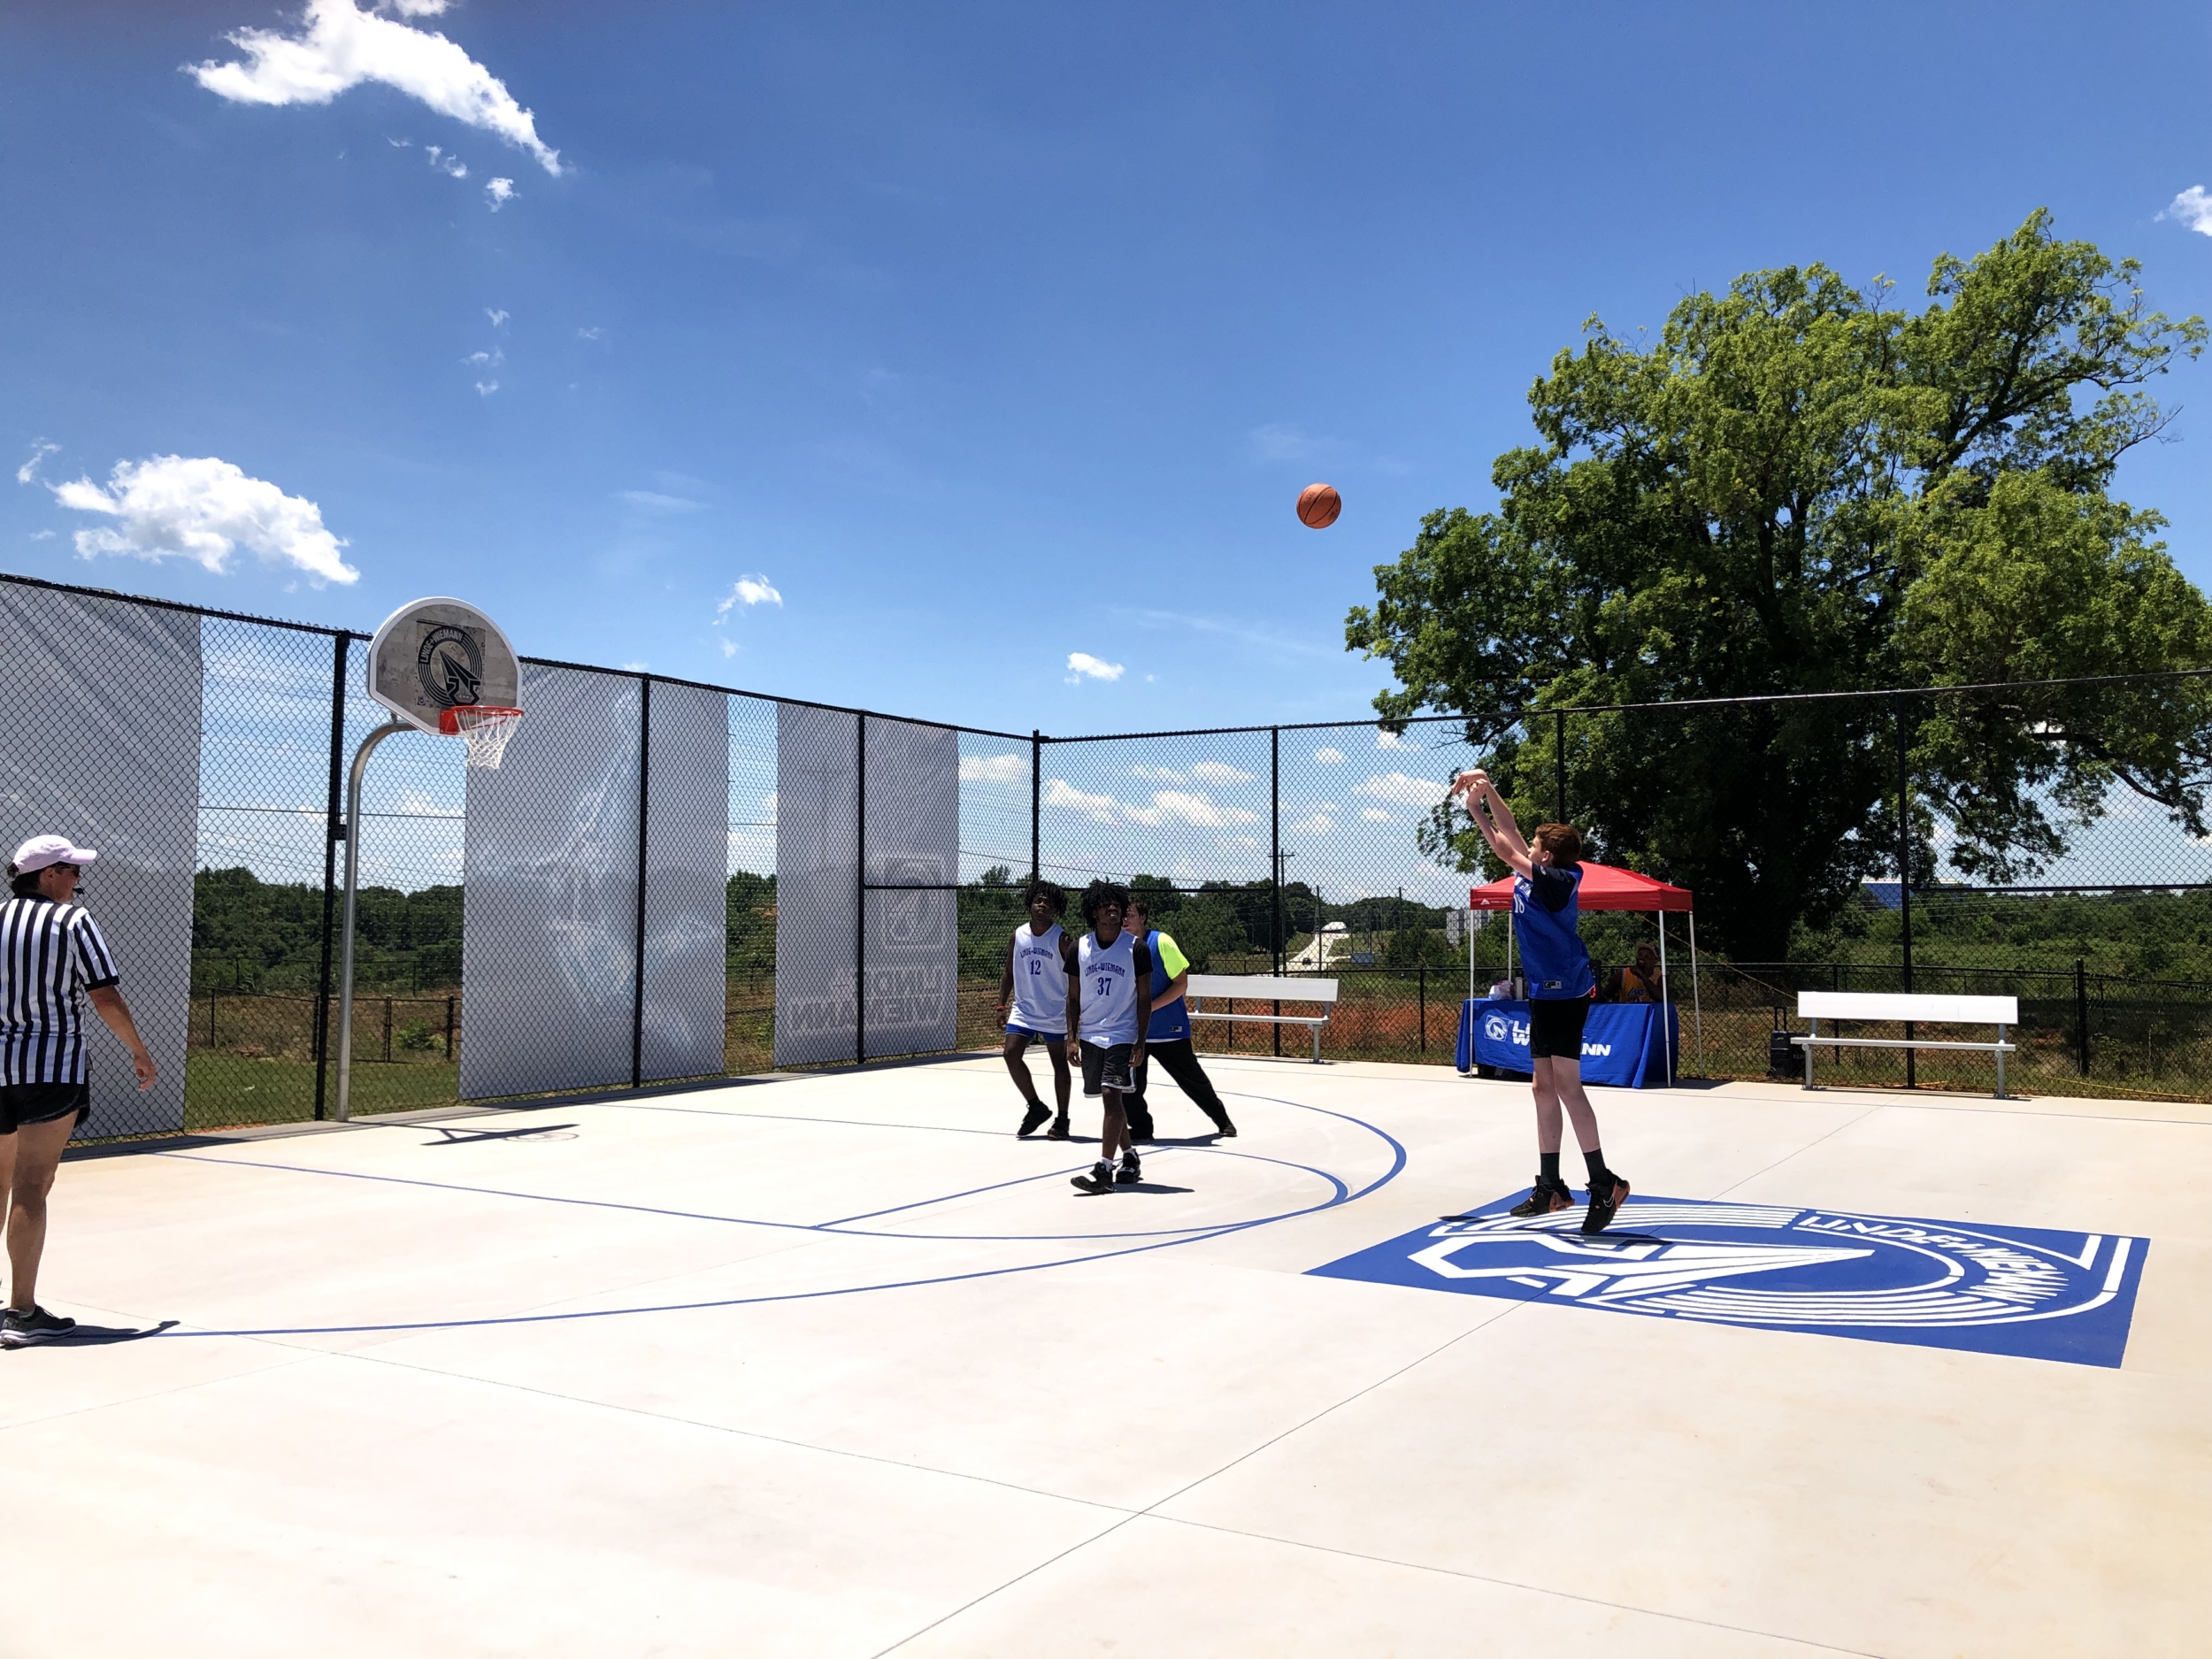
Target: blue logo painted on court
{"type": "Point", "coordinates": [2022, 1291]}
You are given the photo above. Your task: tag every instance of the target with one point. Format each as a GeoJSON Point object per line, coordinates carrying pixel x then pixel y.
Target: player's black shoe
{"type": "Point", "coordinates": [1060, 1130]}
{"type": "Point", "coordinates": [1606, 1194]}
{"type": "Point", "coordinates": [1101, 1179]}
{"type": "Point", "coordinates": [27, 1327]}
{"type": "Point", "coordinates": [1140, 1124]}
{"type": "Point", "coordinates": [1131, 1172]}
{"type": "Point", "coordinates": [1545, 1198]}
{"type": "Point", "coordinates": [1223, 1127]}
{"type": "Point", "coordinates": [1033, 1119]}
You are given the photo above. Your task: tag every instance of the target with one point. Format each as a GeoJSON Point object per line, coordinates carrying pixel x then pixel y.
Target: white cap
{"type": "Point", "coordinates": [42, 850]}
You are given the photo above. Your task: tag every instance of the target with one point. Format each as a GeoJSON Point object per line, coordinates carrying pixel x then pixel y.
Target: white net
{"type": "Point", "coordinates": [485, 731]}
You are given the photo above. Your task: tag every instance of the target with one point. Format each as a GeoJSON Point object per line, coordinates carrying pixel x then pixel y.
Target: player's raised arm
{"type": "Point", "coordinates": [1493, 817]}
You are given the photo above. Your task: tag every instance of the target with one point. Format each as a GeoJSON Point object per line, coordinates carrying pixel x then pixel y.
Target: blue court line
{"type": "Point", "coordinates": [837, 1229]}
{"type": "Point", "coordinates": [1341, 1196]}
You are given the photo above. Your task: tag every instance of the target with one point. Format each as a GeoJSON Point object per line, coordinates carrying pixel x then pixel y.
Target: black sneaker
{"type": "Point", "coordinates": [1223, 1127]}
{"type": "Point", "coordinates": [28, 1327]}
{"type": "Point", "coordinates": [1101, 1179]}
{"type": "Point", "coordinates": [1606, 1194]}
{"type": "Point", "coordinates": [1060, 1130]}
{"type": "Point", "coordinates": [1032, 1120]}
{"type": "Point", "coordinates": [1545, 1198]}
{"type": "Point", "coordinates": [1129, 1172]}
{"type": "Point", "coordinates": [1140, 1126]}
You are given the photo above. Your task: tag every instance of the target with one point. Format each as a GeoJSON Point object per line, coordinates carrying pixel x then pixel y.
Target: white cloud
{"type": "Point", "coordinates": [589, 334]}
{"type": "Point", "coordinates": [1389, 740]}
{"type": "Point", "coordinates": [2193, 208]}
{"type": "Point", "coordinates": [1404, 791]}
{"type": "Point", "coordinates": [635, 668]}
{"type": "Point", "coordinates": [41, 535]}
{"type": "Point", "coordinates": [499, 192]}
{"type": "Point", "coordinates": [729, 647]}
{"type": "Point", "coordinates": [485, 359]}
{"type": "Point", "coordinates": [1196, 809]}
{"type": "Point", "coordinates": [203, 509]}
{"type": "Point", "coordinates": [1329, 757]}
{"type": "Point", "coordinates": [1219, 774]}
{"type": "Point", "coordinates": [994, 769]}
{"type": "Point", "coordinates": [499, 317]}
{"type": "Point", "coordinates": [653, 501]}
{"type": "Point", "coordinates": [452, 166]}
{"type": "Point", "coordinates": [1275, 443]}
{"type": "Point", "coordinates": [1374, 815]}
{"type": "Point", "coordinates": [1083, 666]}
{"type": "Point", "coordinates": [1319, 824]}
{"type": "Point", "coordinates": [28, 472]}
{"type": "Point", "coordinates": [1158, 774]}
{"type": "Point", "coordinates": [750, 590]}
{"type": "Point", "coordinates": [485, 389]}
{"type": "Point", "coordinates": [1099, 807]}
{"type": "Point", "coordinates": [343, 46]}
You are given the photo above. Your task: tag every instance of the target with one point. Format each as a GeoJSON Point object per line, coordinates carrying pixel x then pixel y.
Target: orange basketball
{"type": "Point", "coordinates": [1318, 505]}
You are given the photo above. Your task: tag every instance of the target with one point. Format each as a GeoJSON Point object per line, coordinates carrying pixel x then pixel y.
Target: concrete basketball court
{"type": "Point", "coordinates": [834, 1366]}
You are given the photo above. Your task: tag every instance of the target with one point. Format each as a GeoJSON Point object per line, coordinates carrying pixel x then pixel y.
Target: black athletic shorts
{"type": "Point", "coordinates": [23, 1103]}
{"type": "Point", "coordinates": [1107, 1068]}
{"type": "Point", "coordinates": [1555, 1026]}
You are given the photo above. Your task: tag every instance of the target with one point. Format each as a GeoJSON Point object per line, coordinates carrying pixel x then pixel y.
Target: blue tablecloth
{"type": "Point", "coordinates": [1623, 1043]}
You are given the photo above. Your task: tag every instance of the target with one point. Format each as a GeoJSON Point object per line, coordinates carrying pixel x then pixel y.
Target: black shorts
{"type": "Point", "coordinates": [23, 1103]}
{"type": "Point", "coordinates": [1555, 1026]}
{"type": "Point", "coordinates": [1107, 1068]}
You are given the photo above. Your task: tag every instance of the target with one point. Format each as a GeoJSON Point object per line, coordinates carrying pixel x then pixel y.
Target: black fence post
{"type": "Point", "coordinates": [1422, 968]}
{"type": "Point", "coordinates": [332, 829]}
{"type": "Point", "coordinates": [2081, 1012]}
{"type": "Point", "coordinates": [449, 1028]}
{"type": "Point", "coordinates": [1036, 796]}
{"type": "Point", "coordinates": [644, 790]}
{"type": "Point", "coordinates": [1904, 870]}
{"type": "Point", "coordinates": [1275, 860]}
{"type": "Point", "coordinates": [860, 891]}
{"type": "Point", "coordinates": [1559, 756]}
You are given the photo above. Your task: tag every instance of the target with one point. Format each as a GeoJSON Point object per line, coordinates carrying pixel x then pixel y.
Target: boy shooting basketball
{"type": "Point", "coordinates": [1109, 1005]}
{"type": "Point", "coordinates": [1035, 984]}
{"type": "Point", "coordinates": [1546, 879]}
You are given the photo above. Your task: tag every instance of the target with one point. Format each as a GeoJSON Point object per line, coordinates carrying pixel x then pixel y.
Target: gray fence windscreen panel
{"type": "Point", "coordinates": [112, 759]}
{"type": "Point", "coordinates": [818, 837]}
{"type": "Point", "coordinates": [548, 929]}
{"type": "Point", "coordinates": [687, 883]}
{"type": "Point", "coordinates": [913, 947]}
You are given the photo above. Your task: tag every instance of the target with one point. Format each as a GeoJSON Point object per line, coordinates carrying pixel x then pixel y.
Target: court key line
{"type": "Point", "coordinates": [1342, 1196]}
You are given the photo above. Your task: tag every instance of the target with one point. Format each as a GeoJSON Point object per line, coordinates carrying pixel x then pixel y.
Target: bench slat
{"type": "Point", "coordinates": [1824, 1041]}
{"type": "Point", "coordinates": [1261, 987]}
{"type": "Point", "coordinates": [1978, 1010]}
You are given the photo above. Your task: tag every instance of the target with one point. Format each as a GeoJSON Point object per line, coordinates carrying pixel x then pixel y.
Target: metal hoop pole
{"type": "Point", "coordinates": [344, 1107]}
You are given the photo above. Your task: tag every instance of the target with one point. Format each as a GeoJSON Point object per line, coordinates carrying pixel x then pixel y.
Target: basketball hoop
{"type": "Point", "coordinates": [486, 727]}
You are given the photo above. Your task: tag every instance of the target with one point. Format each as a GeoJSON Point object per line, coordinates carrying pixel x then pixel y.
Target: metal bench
{"type": "Point", "coordinates": [1816, 1006]}
{"type": "Point", "coordinates": [1264, 987]}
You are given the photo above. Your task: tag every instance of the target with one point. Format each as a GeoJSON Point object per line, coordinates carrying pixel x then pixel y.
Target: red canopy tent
{"type": "Point", "coordinates": [1607, 887]}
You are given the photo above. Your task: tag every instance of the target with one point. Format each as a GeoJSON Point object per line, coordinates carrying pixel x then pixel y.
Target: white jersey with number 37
{"type": "Point", "coordinates": [1109, 973]}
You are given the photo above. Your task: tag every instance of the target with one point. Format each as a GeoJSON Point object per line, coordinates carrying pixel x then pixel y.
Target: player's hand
{"type": "Point", "coordinates": [1136, 1056]}
{"type": "Point", "coordinates": [142, 1063]}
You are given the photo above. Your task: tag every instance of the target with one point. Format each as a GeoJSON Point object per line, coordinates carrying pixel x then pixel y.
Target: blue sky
{"type": "Point", "coordinates": [970, 337]}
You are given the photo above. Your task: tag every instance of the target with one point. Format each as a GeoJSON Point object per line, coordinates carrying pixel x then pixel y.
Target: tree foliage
{"type": "Point", "coordinates": [1802, 485]}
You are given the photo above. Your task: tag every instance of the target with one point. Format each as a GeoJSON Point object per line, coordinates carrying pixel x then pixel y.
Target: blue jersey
{"type": "Point", "coordinates": [1171, 1023]}
{"type": "Point", "coordinates": [1557, 966]}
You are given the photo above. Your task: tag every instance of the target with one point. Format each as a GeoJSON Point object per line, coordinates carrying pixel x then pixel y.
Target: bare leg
{"type": "Point", "coordinates": [1114, 1137]}
{"type": "Point", "coordinates": [37, 1155]}
{"type": "Point", "coordinates": [1018, 1067]}
{"type": "Point", "coordinates": [1061, 1084]}
{"type": "Point", "coordinates": [1558, 1085]}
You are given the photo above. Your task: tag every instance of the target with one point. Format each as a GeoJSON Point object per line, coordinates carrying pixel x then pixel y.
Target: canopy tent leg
{"type": "Point", "coordinates": [1697, 1005]}
{"type": "Point", "coordinates": [1666, 1030]}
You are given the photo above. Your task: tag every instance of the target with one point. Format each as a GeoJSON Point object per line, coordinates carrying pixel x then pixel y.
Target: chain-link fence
{"type": "Point", "coordinates": [2044, 841]}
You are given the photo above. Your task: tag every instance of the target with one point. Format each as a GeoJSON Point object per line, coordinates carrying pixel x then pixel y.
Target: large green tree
{"type": "Point", "coordinates": [1804, 486]}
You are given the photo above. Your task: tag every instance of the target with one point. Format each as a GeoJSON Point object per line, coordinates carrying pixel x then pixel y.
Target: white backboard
{"type": "Point", "coordinates": [437, 655]}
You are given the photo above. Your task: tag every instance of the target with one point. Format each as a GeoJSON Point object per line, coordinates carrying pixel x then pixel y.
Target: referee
{"type": "Point", "coordinates": [49, 950]}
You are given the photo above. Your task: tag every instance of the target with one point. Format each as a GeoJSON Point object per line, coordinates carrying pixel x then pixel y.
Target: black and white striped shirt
{"type": "Point", "coordinates": [49, 953]}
